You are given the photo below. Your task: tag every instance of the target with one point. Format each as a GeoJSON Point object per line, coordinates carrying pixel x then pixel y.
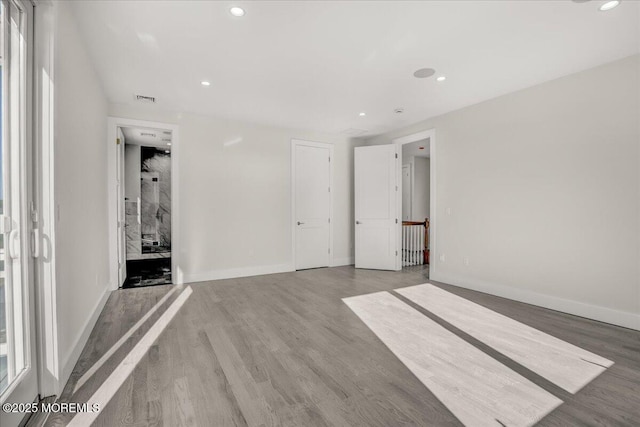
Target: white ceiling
{"type": "Point", "coordinates": [413, 149]}
{"type": "Point", "coordinates": [147, 137]}
{"type": "Point", "coordinates": [317, 65]}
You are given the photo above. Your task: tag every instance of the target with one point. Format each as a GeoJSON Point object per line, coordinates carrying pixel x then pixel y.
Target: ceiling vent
{"type": "Point", "coordinates": [147, 99]}
{"type": "Point", "coordinates": [152, 135]}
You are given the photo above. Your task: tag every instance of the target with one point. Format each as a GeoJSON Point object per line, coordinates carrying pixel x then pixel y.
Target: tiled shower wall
{"type": "Point", "coordinates": [158, 162]}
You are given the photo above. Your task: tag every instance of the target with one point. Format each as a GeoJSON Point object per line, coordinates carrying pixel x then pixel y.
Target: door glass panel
{"type": "Point", "coordinates": [4, 368]}
{"type": "Point", "coordinates": [13, 324]}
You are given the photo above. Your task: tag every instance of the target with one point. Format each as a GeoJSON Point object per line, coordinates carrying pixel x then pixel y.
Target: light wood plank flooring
{"type": "Point", "coordinates": [284, 349]}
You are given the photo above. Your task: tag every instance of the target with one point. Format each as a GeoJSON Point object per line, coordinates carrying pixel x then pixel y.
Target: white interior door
{"type": "Point", "coordinates": [121, 236]}
{"type": "Point", "coordinates": [312, 204]}
{"type": "Point", "coordinates": [378, 207]}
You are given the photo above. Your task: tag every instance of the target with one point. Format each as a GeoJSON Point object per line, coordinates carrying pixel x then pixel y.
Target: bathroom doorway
{"type": "Point", "coordinates": [144, 205]}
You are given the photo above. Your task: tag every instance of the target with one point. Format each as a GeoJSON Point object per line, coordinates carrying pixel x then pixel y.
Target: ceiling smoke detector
{"type": "Point", "coordinates": [399, 110]}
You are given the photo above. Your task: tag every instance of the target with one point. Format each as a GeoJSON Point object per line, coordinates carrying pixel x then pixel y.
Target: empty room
{"type": "Point", "coordinates": [319, 213]}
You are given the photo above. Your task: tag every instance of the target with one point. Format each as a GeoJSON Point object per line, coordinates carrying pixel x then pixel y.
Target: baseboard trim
{"type": "Point", "coordinates": [337, 262]}
{"type": "Point", "coordinates": [233, 273]}
{"type": "Point", "coordinates": [80, 342]}
{"type": "Point", "coordinates": [576, 308]}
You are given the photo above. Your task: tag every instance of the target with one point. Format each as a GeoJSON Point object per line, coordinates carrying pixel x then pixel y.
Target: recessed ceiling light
{"type": "Point", "coordinates": [609, 5]}
{"type": "Point", "coordinates": [167, 151]}
{"type": "Point", "coordinates": [205, 83]}
{"type": "Point", "coordinates": [441, 78]}
{"type": "Point", "coordinates": [168, 143]}
{"type": "Point", "coordinates": [423, 73]}
{"type": "Point", "coordinates": [362, 114]}
{"type": "Point", "coordinates": [237, 11]}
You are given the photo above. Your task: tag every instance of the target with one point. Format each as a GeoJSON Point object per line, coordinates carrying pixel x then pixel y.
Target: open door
{"type": "Point", "coordinates": [378, 206]}
{"type": "Point", "coordinates": [121, 236]}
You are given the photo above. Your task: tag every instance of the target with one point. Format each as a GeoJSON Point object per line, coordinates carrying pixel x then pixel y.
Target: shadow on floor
{"type": "Point", "coordinates": [148, 272]}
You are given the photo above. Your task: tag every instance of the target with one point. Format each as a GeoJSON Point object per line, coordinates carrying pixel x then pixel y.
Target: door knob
{"type": "Point", "coordinates": [300, 223]}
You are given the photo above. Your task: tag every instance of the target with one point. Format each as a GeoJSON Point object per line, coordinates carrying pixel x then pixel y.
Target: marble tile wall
{"type": "Point", "coordinates": [159, 163]}
{"type": "Point", "coordinates": [132, 229]}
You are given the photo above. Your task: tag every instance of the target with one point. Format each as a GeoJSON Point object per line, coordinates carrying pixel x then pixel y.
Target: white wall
{"type": "Point", "coordinates": [80, 191]}
{"type": "Point", "coordinates": [235, 200]}
{"type": "Point", "coordinates": [421, 190]}
{"type": "Point", "coordinates": [543, 186]}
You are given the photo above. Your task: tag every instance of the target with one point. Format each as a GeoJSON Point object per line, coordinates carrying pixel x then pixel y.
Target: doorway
{"type": "Point", "coordinates": [418, 200]}
{"type": "Point", "coordinates": [378, 187]}
{"type": "Point", "coordinates": [147, 206]}
{"type": "Point", "coordinates": [416, 166]}
{"type": "Point", "coordinates": [144, 203]}
{"type": "Point", "coordinates": [312, 205]}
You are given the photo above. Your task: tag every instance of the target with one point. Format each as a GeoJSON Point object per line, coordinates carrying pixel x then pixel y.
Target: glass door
{"type": "Point", "coordinates": [18, 362]}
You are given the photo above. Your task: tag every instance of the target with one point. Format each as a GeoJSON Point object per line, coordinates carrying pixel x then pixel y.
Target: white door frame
{"type": "Point", "coordinates": [177, 276]}
{"type": "Point", "coordinates": [408, 139]}
{"type": "Point", "coordinates": [294, 144]}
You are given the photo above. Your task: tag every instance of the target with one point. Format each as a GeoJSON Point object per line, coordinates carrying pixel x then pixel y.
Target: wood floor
{"type": "Point", "coordinates": [285, 350]}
